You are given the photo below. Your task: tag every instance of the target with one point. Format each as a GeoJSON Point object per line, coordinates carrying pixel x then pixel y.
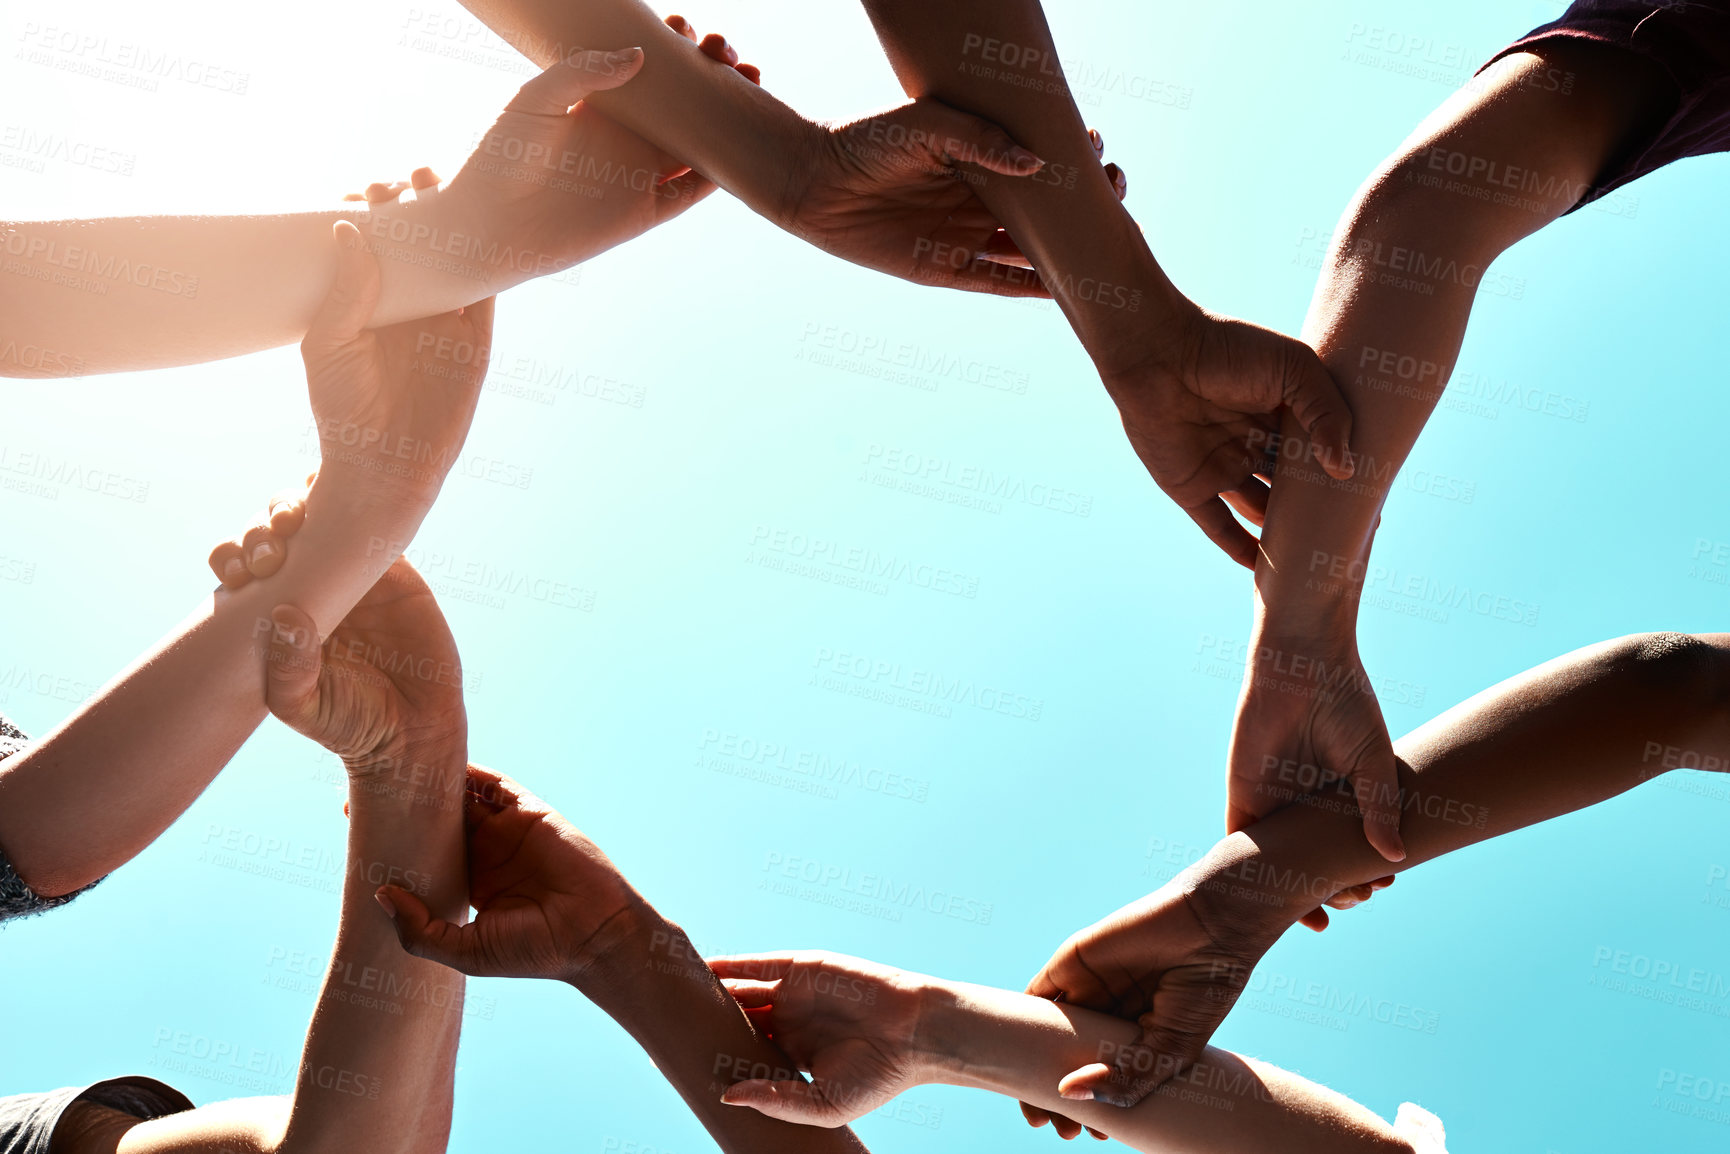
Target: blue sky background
{"type": "Point", "coordinates": [756, 420]}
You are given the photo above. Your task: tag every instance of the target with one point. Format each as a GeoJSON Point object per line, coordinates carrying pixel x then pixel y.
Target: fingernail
{"type": "Point", "coordinates": [383, 899]}
{"type": "Point", "coordinates": [1020, 155]}
{"type": "Point", "coordinates": [262, 550]}
{"type": "Point", "coordinates": [623, 55]}
{"type": "Point", "coordinates": [233, 569]}
{"type": "Point", "coordinates": [1078, 1094]}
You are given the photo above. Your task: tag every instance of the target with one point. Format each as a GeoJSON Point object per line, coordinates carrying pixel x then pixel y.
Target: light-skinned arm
{"type": "Point", "coordinates": [1501, 159]}
{"type": "Point", "coordinates": [1198, 393]}
{"type": "Point", "coordinates": [542, 191]}
{"type": "Point", "coordinates": [868, 1033]}
{"type": "Point", "coordinates": [377, 1067]}
{"type": "Point", "coordinates": [549, 904]}
{"type": "Point", "coordinates": [392, 413]}
{"type": "Point", "coordinates": [1563, 736]}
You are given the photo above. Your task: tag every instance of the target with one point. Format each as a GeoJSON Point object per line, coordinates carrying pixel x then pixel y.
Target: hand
{"type": "Point", "coordinates": [1175, 962]}
{"type": "Point", "coordinates": [386, 684]}
{"type": "Point", "coordinates": [260, 551]}
{"type": "Point", "coordinates": [888, 192]}
{"type": "Point", "coordinates": [1203, 411]}
{"type": "Point", "coordinates": [558, 181]}
{"type": "Point", "coordinates": [548, 903]}
{"type": "Point", "coordinates": [392, 405]}
{"type": "Point", "coordinates": [1307, 722]}
{"type": "Point", "coordinates": [852, 1024]}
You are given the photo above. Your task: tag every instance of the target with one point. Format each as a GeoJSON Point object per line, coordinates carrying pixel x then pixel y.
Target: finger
{"type": "Point", "coordinates": [970, 140]}
{"type": "Point", "coordinates": [1314, 399]}
{"type": "Point", "coordinates": [352, 297]}
{"type": "Point", "coordinates": [579, 74]}
{"type": "Point", "coordinates": [489, 792]}
{"type": "Point", "coordinates": [1316, 919]}
{"type": "Point", "coordinates": [750, 72]}
{"type": "Point", "coordinates": [378, 193]}
{"type": "Point", "coordinates": [1119, 181]}
{"type": "Point", "coordinates": [263, 552]}
{"type": "Point", "coordinates": [434, 939]}
{"type": "Point", "coordinates": [292, 665]}
{"type": "Point", "coordinates": [789, 1101]}
{"type": "Point", "coordinates": [1003, 249]}
{"type": "Point", "coordinates": [1222, 529]}
{"type": "Point", "coordinates": [1098, 142]}
{"type": "Point", "coordinates": [425, 182]}
{"type": "Point", "coordinates": [751, 995]}
{"type": "Point", "coordinates": [287, 513]}
{"type": "Point", "coordinates": [1035, 1116]}
{"type": "Point", "coordinates": [683, 27]}
{"type": "Point", "coordinates": [1067, 1129]}
{"type": "Point", "coordinates": [228, 562]}
{"type": "Point", "coordinates": [716, 48]}
{"type": "Point", "coordinates": [752, 967]}
{"type": "Point", "coordinates": [1377, 789]}
{"type": "Point", "coordinates": [1250, 501]}
{"type": "Point", "coordinates": [986, 276]}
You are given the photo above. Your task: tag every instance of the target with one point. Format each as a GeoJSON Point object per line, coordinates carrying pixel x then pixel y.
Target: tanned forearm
{"type": "Point", "coordinates": [996, 59]}
{"type": "Point", "coordinates": [1558, 738]}
{"type": "Point", "coordinates": [1502, 159]}
{"type": "Point", "coordinates": [100, 787]}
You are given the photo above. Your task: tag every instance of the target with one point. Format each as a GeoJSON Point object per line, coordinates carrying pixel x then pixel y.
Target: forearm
{"type": "Point", "coordinates": [100, 787]}
{"type": "Point", "coordinates": [1499, 161]}
{"type": "Point", "coordinates": [1566, 735]}
{"type": "Point", "coordinates": [708, 117]}
{"type": "Point", "coordinates": [1022, 1047]}
{"type": "Point", "coordinates": [123, 294]}
{"type": "Point", "coordinates": [376, 1073]}
{"type": "Point", "coordinates": [997, 60]}
{"type": "Point", "coordinates": [658, 988]}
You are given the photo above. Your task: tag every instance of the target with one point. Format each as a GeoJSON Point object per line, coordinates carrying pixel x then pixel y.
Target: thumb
{"type": "Point", "coordinates": [1315, 400]}
{"type": "Point", "coordinates": [431, 938]}
{"type": "Point", "coordinates": [291, 667]}
{"type": "Point", "coordinates": [573, 78]}
{"type": "Point", "coordinates": [1376, 787]}
{"type": "Point", "coordinates": [349, 305]}
{"type": "Point", "coordinates": [966, 139]}
{"type": "Point", "coordinates": [788, 1101]}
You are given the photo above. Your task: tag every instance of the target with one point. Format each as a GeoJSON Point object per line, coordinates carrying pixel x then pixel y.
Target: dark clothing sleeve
{"type": "Point", "coordinates": [27, 1121]}
{"type": "Point", "coordinates": [1689, 41]}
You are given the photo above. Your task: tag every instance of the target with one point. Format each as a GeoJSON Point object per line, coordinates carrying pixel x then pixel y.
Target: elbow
{"type": "Point", "coordinates": [1399, 221]}
{"type": "Point", "coordinates": [1688, 676]}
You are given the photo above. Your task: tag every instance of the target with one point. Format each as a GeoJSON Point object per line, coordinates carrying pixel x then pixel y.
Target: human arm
{"type": "Point", "coordinates": [392, 414]}
{"type": "Point", "coordinates": [543, 190]}
{"type": "Point", "coordinates": [884, 191]}
{"type": "Point", "coordinates": [1198, 393]}
{"type": "Point", "coordinates": [1498, 161]}
{"type": "Point", "coordinates": [868, 1033]}
{"type": "Point", "coordinates": [549, 904]}
{"type": "Point", "coordinates": [380, 1054]}
{"type": "Point", "coordinates": [1563, 736]}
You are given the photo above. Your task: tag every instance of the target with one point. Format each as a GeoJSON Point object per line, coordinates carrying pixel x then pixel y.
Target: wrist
{"type": "Point", "coordinates": [1131, 319]}
{"type": "Point", "coordinates": [430, 774]}
{"type": "Point", "coordinates": [937, 1049]}
{"type": "Point", "coordinates": [636, 954]}
{"type": "Point", "coordinates": [1245, 899]}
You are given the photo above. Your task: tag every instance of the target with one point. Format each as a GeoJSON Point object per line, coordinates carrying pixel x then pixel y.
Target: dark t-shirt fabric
{"type": "Point", "coordinates": [16, 899]}
{"type": "Point", "coordinates": [27, 1121]}
{"type": "Point", "coordinates": [1689, 40]}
